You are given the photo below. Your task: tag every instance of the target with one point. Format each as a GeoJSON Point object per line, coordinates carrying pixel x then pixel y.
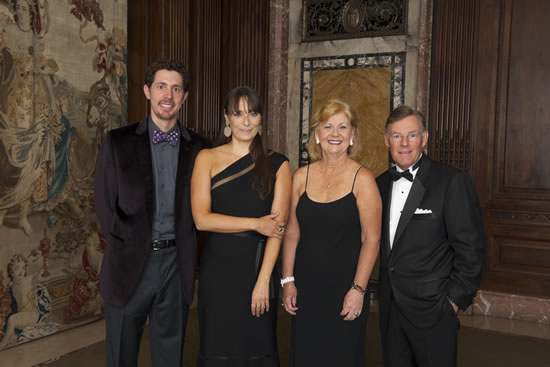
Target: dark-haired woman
{"type": "Point", "coordinates": [240, 194]}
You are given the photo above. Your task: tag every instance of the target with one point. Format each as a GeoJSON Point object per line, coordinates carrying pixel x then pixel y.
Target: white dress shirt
{"type": "Point", "coordinates": [399, 194]}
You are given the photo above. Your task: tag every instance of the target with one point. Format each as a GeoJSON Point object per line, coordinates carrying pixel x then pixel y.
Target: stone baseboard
{"type": "Point", "coordinates": [511, 306]}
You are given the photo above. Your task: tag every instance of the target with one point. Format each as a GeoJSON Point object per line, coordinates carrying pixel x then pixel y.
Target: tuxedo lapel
{"type": "Point", "coordinates": [143, 149]}
{"type": "Point", "coordinates": [414, 199]}
{"type": "Point", "coordinates": [385, 193]}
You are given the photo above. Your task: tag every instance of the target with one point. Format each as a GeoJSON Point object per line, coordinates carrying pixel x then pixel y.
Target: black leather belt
{"type": "Point", "coordinates": [160, 244]}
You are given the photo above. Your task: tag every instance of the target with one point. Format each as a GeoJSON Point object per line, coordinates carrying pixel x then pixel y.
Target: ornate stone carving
{"type": "Point", "coordinates": [339, 19]}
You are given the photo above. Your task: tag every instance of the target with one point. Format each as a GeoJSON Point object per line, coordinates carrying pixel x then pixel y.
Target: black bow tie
{"type": "Point", "coordinates": [407, 174]}
{"type": "Point", "coordinates": [395, 175]}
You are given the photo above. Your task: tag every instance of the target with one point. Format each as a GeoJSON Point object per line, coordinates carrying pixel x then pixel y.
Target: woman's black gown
{"type": "Point", "coordinates": [229, 334]}
{"type": "Point", "coordinates": [326, 261]}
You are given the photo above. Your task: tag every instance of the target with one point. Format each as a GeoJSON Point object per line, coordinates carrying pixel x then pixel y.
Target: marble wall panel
{"type": "Point", "coordinates": [511, 306]}
{"type": "Point", "coordinates": [368, 91]}
{"type": "Point", "coordinates": [278, 70]}
{"type": "Point", "coordinates": [299, 52]}
{"type": "Point", "coordinates": [372, 83]}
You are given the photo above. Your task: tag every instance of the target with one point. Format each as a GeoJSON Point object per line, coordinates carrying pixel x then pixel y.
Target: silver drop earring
{"type": "Point", "coordinates": [227, 130]}
{"type": "Point", "coordinates": [317, 141]}
{"type": "Point", "coordinates": [351, 142]}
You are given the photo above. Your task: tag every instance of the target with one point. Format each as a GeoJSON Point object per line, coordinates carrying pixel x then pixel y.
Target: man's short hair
{"type": "Point", "coordinates": [402, 112]}
{"type": "Point", "coordinates": [171, 65]}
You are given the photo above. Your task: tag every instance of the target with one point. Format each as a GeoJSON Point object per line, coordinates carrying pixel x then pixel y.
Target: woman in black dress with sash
{"type": "Point", "coordinates": [331, 245]}
{"type": "Point", "coordinates": [240, 194]}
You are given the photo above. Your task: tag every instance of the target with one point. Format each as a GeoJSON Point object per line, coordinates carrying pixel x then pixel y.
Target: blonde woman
{"type": "Point", "coordinates": [331, 244]}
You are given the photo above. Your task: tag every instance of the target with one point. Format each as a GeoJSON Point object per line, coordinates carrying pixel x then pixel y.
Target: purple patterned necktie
{"type": "Point", "coordinates": [171, 137]}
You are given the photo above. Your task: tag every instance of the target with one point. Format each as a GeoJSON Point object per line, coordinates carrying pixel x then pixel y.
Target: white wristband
{"type": "Point", "coordinates": [287, 280]}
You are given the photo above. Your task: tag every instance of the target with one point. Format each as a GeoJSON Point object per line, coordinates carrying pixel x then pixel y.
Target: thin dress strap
{"type": "Point", "coordinates": [354, 177]}
{"type": "Point", "coordinates": [307, 175]}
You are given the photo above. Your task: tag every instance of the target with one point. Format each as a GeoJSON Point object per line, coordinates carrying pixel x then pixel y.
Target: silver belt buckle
{"type": "Point", "coordinates": [155, 248]}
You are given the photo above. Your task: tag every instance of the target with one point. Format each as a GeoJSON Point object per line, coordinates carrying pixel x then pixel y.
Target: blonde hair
{"type": "Point", "coordinates": [323, 113]}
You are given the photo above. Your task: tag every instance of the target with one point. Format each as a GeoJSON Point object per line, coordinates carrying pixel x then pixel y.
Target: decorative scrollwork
{"type": "Point", "coordinates": [354, 14]}
{"type": "Point", "coordinates": [340, 19]}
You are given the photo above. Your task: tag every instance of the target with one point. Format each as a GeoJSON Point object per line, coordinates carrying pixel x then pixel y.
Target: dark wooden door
{"type": "Point", "coordinates": [223, 43]}
{"type": "Point", "coordinates": [489, 115]}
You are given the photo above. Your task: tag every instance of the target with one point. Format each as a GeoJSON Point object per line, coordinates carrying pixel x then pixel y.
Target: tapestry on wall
{"type": "Point", "coordinates": [62, 87]}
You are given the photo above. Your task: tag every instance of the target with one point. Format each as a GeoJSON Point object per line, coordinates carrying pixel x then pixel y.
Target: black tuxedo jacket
{"type": "Point", "coordinates": [124, 196]}
{"type": "Point", "coordinates": [437, 253]}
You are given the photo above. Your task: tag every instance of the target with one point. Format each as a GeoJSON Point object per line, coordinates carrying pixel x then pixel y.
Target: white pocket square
{"type": "Point", "coordinates": [423, 211]}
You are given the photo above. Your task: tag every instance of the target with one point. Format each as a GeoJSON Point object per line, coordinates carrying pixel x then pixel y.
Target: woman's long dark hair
{"type": "Point", "coordinates": [263, 181]}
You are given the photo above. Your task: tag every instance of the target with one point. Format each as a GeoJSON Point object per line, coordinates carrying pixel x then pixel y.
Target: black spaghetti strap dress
{"type": "Point", "coordinates": [326, 261]}
{"type": "Point", "coordinates": [229, 334]}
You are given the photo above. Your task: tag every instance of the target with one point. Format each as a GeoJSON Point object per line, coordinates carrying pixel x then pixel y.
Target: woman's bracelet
{"type": "Point", "coordinates": [287, 280]}
{"type": "Point", "coordinates": [357, 287]}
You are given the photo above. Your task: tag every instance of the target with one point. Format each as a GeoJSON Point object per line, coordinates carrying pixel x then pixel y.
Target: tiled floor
{"type": "Point", "coordinates": [483, 341]}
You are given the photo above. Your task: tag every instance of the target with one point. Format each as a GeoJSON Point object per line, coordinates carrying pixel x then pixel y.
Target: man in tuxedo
{"type": "Point", "coordinates": [431, 249]}
{"type": "Point", "coordinates": [142, 198]}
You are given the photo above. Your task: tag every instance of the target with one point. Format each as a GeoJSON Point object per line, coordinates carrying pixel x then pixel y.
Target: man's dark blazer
{"type": "Point", "coordinates": [124, 195]}
{"type": "Point", "coordinates": [435, 255]}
